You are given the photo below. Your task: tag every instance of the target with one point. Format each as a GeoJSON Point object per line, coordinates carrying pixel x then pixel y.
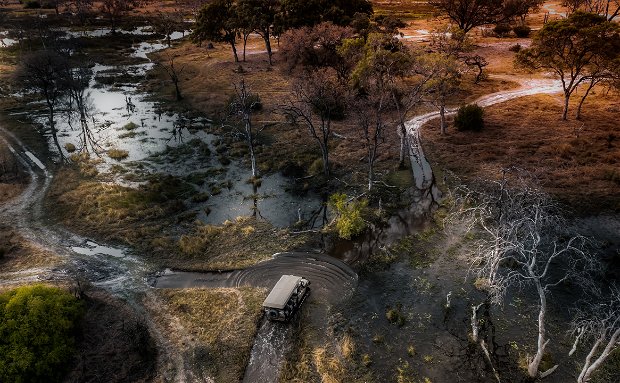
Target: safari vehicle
{"type": "Point", "coordinates": [286, 297]}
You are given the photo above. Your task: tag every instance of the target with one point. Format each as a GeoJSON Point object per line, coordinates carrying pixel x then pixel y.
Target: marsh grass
{"type": "Point", "coordinates": [118, 154]}
{"type": "Point", "coordinates": [221, 323]}
{"type": "Point", "coordinates": [234, 244]}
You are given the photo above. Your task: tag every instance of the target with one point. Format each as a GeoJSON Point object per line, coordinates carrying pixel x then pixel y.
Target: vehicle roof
{"type": "Point", "coordinates": [281, 292]}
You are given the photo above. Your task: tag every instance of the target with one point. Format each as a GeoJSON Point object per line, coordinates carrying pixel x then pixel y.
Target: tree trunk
{"type": "Point", "coordinates": [234, 49]}
{"type": "Point", "coordinates": [442, 114]}
{"type": "Point", "coordinates": [402, 133]}
{"type": "Point", "coordinates": [268, 45]}
{"type": "Point", "coordinates": [590, 86]}
{"type": "Point", "coordinates": [179, 97]}
{"type": "Point", "coordinates": [245, 43]}
{"type": "Point", "coordinates": [532, 368]}
{"type": "Point", "coordinates": [403, 147]}
{"type": "Point", "coordinates": [565, 109]}
{"type": "Point", "coordinates": [325, 155]}
{"type": "Point", "coordinates": [250, 140]}
{"type": "Point", "coordinates": [588, 368]}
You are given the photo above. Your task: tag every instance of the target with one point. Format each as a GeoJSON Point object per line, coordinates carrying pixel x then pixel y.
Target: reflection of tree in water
{"type": "Point", "coordinates": [179, 127]}
{"type": "Point", "coordinates": [81, 109]}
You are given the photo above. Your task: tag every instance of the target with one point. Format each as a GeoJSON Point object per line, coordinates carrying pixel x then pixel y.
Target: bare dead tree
{"type": "Point", "coordinates": [480, 63]}
{"type": "Point", "coordinates": [166, 23]}
{"type": "Point", "coordinates": [43, 72]}
{"type": "Point", "coordinates": [597, 322]}
{"type": "Point", "coordinates": [523, 243]}
{"type": "Point", "coordinates": [243, 105]}
{"type": "Point", "coordinates": [318, 98]}
{"type": "Point", "coordinates": [174, 72]}
{"type": "Point", "coordinates": [370, 112]}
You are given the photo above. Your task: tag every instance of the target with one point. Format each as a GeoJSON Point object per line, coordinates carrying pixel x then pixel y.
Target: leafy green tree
{"type": "Point", "coordinates": [37, 325]}
{"type": "Point", "coordinates": [349, 220]}
{"type": "Point", "coordinates": [584, 47]}
{"type": "Point", "coordinates": [218, 21]}
{"type": "Point", "coordinates": [444, 74]}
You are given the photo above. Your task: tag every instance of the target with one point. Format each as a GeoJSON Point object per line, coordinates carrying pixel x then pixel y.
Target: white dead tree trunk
{"type": "Point", "coordinates": [520, 227]}
{"type": "Point", "coordinates": [600, 323]}
{"type": "Point", "coordinates": [243, 104]}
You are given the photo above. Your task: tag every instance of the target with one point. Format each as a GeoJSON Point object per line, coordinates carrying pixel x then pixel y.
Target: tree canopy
{"type": "Point", "coordinates": [36, 333]}
{"type": "Point", "coordinates": [580, 48]}
{"type": "Point", "coordinates": [225, 20]}
{"type": "Point", "coordinates": [468, 14]}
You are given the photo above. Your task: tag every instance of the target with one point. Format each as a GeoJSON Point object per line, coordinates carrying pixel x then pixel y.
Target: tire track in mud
{"type": "Point", "coordinates": [331, 279]}
{"type": "Point", "coordinates": [422, 171]}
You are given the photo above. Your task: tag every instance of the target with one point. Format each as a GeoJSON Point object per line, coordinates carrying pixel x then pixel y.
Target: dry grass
{"type": "Point", "coordinates": [324, 357]}
{"type": "Point", "coordinates": [118, 154]}
{"type": "Point", "coordinates": [576, 161]}
{"type": "Point", "coordinates": [112, 211]}
{"type": "Point", "coordinates": [17, 254]}
{"type": "Point", "coordinates": [217, 326]}
{"type": "Point", "coordinates": [233, 245]}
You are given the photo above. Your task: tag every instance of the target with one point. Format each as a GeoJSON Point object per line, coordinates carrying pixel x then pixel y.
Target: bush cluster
{"type": "Point", "coordinates": [522, 31]}
{"type": "Point", "coordinates": [469, 117]}
{"type": "Point", "coordinates": [37, 328]}
{"type": "Point", "coordinates": [349, 221]}
{"type": "Point", "coordinates": [502, 30]}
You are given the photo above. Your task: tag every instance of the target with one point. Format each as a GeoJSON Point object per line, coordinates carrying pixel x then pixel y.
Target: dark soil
{"type": "Point", "coordinates": [114, 344]}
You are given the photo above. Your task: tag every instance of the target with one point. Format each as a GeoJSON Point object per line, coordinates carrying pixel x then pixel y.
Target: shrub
{"type": "Point", "coordinates": [515, 48]}
{"type": "Point", "coordinates": [118, 154]}
{"type": "Point", "coordinates": [469, 117]}
{"type": "Point", "coordinates": [502, 30]}
{"type": "Point", "coordinates": [69, 147]}
{"type": "Point", "coordinates": [522, 31]}
{"type": "Point", "coordinates": [37, 327]}
{"type": "Point", "coordinates": [349, 221]}
{"type": "Point", "coordinates": [130, 126]}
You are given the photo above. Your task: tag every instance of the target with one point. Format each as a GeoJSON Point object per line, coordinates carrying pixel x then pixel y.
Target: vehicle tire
{"type": "Point", "coordinates": [273, 314]}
